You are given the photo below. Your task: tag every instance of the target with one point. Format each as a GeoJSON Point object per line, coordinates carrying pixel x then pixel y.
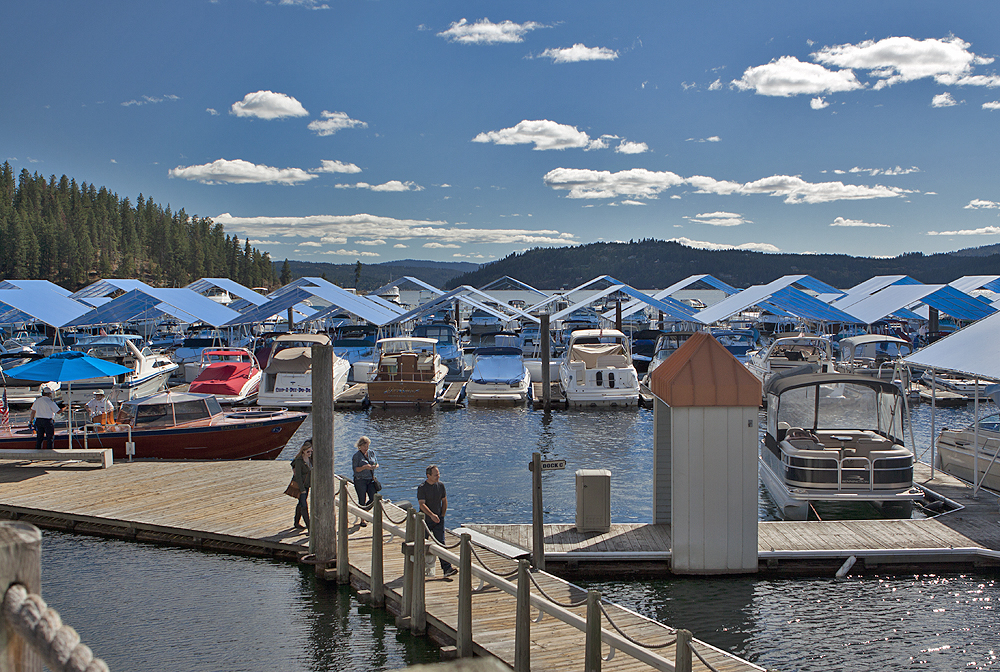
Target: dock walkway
{"type": "Point", "coordinates": [240, 507]}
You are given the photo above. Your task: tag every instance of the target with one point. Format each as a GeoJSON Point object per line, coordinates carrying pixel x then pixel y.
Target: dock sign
{"type": "Point", "coordinates": [553, 464]}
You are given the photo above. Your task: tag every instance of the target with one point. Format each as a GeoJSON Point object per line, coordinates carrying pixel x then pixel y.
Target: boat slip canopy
{"type": "Point", "coordinates": [974, 351]}
{"type": "Point", "coordinates": [183, 304]}
{"type": "Point", "coordinates": [896, 298]}
{"type": "Point", "coordinates": [682, 313]}
{"type": "Point", "coordinates": [635, 305]}
{"type": "Point", "coordinates": [781, 295]}
{"type": "Point", "coordinates": [311, 289]}
{"type": "Point", "coordinates": [246, 298]}
{"type": "Point", "coordinates": [38, 302]}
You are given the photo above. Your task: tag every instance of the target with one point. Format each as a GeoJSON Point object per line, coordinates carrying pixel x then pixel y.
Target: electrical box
{"type": "Point", "coordinates": [593, 500]}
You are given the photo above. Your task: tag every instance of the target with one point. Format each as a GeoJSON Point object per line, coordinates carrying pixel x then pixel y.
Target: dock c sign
{"type": "Point", "coordinates": [548, 465]}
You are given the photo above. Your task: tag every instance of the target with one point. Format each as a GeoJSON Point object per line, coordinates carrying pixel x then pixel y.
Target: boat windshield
{"type": "Point", "coordinates": [833, 406]}
{"type": "Point", "coordinates": [149, 416]}
{"type": "Point", "coordinates": [991, 423]}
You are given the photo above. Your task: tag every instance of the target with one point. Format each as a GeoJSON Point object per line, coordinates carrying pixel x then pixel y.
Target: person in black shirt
{"type": "Point", "coordinates": [434, 503]}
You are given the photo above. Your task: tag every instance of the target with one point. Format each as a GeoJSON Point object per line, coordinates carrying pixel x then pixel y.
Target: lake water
{"type": "Point", "coordinates": [144, 607]}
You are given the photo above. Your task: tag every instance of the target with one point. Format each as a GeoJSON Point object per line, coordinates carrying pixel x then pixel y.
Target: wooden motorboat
{"type": "Point", "coordinates": [178, 426]}
{"type": "Point", "coordinates": [409, 371]}
{"type": "Point", "coordinates": [232, 375]}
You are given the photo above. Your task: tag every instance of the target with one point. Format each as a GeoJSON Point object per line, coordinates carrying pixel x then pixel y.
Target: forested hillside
{"type": "Point", "coordinates": [73, 234]}
{"type": "Point", "coordinates": [656, 264]}
{"type": "Point", "coordinates": [367, 277]}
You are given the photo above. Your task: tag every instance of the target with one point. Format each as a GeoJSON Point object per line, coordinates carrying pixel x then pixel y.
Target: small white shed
{"type": "Point", "coordinates": [705, 458]}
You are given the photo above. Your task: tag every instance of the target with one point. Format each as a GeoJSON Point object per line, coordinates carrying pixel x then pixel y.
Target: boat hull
{"type": "Point", "coordinates": [405, 392]}
{"type": "Point", "coordinates": [955, 457]}
{"type": "Point", "coordinates": [261, 437]}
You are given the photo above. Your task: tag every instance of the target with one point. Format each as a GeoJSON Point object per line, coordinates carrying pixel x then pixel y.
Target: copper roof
{"type": "Point", "coordinates": [703, 373]}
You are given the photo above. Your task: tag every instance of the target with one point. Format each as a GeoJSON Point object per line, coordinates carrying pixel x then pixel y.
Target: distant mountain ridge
{"type": "Point", "coordinates": [373, 276]}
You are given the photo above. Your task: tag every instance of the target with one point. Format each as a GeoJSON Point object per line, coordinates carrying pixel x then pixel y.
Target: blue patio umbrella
{"type": "Point", "coordinates": [65, 367]}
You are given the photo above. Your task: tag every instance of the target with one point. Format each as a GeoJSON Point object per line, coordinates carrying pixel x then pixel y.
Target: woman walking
{"type": "Point", "coordinates": [364, 463]}
{"type": "Point", "coordinates": [302, 474]}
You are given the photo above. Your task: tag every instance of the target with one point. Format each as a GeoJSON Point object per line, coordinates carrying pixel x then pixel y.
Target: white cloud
{"type": "Point", "coordinates": [391, 185]}
{"type": "Point", "coordinates": [642, 183]}
{"type": "Point", "coordinates": [336, 167]}
{"type": "Point", "coordinates": [985, 231]}
{"type": "Point", "coordinates": [702, 245]}
{"type": "Point", "coordinates": [313, 243]}
{"type": "Point", "coordinates": [978, 204]}
{"type": "Point", "coordinates": [715, 86]}
{"type": "Point", "coordinates": [992, 105]}
{"type": "Point", "coordinates": [579, 52]}
{"type": "Point", "coordinates": [840, 221]}
{"type": "Point", "coordinates": [361, 226]}
{"type": "Point", "coordinates": [148, 100]}
{"type": "Point", "coordinates": [943, 100]}
{"type": "Point", "coordinates": [486, 32]}
{"type": "Point", "coordinates": [713, 138]}
{"type": "Point", "coordinates": [818, 103]}
{"type": "Point", "coordinates": [400, 246]}
{"type": "Point", "coordinates": [788, 76]}
{"type": "Point", "coordinates": [435, 246]}
{"type": "Point", "coordinates": [325, 240]}
{"type": "Point", "coordinates": [633, 203]}
{"type": "Point", "coordinates": [898, 170]}
{"type": "Point", "coordinates": [333, 122]}
{"type": "Point", "coordinates": [308, 4]}
{"type": "Point", "coordinates": [904, 59]}
{"type": "Point", "coordinates": [370, 242]}
{"type": "Point", "coordinates": [268, 105]}
{"type": "Point", "coordinates": [543, 133]}
{"type": "Point", "coordinates": [352, 253]}
{"type": "Point", "coordinates": [626, 147]}
{"type": "Point", "coordinates": [212, 111]}
{"type": "Point", "coordinates": [238, 171]}
{"type": "Point", "coordinates": [719, 219]}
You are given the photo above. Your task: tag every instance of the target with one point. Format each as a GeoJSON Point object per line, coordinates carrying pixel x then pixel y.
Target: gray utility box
{"type": "Point", "coordinates": [593, 500]}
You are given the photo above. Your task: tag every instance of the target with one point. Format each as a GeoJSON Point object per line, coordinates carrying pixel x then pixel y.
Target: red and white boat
{"type": "Point", "coordinates": [178, 426]}
{"type": "Point", "coordinates": [232, 375]}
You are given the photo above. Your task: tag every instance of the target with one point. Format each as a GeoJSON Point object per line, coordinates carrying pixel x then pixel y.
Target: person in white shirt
{"type": "Point", "coordinates": [43, 413]}
{"type": "Point", "coordinates": [101, 410]}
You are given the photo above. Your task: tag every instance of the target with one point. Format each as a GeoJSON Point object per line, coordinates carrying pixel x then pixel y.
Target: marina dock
{"type": "Point", "coordinates": [240, 508]}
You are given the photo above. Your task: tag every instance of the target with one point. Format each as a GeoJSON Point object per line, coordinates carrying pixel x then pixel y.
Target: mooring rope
{"type": "Point", "coordinates": [58, 644]}
{"type": "Point", "coordinates": [634, 641]}
{"type": "Point", "coordinates": [433, 540]}
{"type": "Point", "coordinates": [704, 662]}
{"type": "Point", "coordinates": [564, 605]}
{"type": "Point", "coordinates": [385, 512]}
{"type": "Point", "coordinates": [487, 567]}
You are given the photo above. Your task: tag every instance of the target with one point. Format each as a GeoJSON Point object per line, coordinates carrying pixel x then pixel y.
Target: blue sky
{"type": "Point", "coordinates": [381, 130]}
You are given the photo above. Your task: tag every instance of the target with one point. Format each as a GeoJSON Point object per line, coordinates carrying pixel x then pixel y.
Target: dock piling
{"type": "Point", "coordinates": [522, 620]}
{"type": "Point", "coordinates": [343, 565]}
{"type": "Point", "coordinates": [682, 659]}
{"type": "Point", "coordinates": [537, 514]}
{"type": "Point", "coordinates": [464, 638]}
{"type": "Point", "coordinates": [418, 615]}
{"type": "Point", "coordinates": [20, 562]}
{"type": "Point", "coordinates": [378, 579]}
{"type": "Point", "coordinates": [406, 608]}
{"type": "Point", "coordinates": [322, 532]}
{"type": "Point", "coordinates": [546, 352]}
{"type": "Point", "coordinates": [592, 656]}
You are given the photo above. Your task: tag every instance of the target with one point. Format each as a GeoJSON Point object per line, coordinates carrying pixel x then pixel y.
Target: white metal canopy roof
{"type": "Point", "coordinates": [974, 350]}
{"type": "Point", "coordinates": [473, 297]}
{"type": "Point", "coordinates": [635, 305]}
{"type": "Point", "coordinates": [236, 289]}
{"type": "Point", "coordinates": [783, 295]}
{"type": "Point", "coordinates": [336, 297]}
{"type": "Point", "coordinates": [675, 313]}
{"type": "Point", "coordinates": [40, 303]}
{"type": "Point", "coordinates": [182, 304]}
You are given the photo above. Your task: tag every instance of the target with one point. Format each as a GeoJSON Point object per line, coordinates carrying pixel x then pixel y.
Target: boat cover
{"type": "Point", "coordinates": [290, 360]}
{"type": "Point", "coordinates": [498, 365]}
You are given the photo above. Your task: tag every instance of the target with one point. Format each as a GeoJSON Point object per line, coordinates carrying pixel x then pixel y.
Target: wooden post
{"type": "Point", "coordinates": [408, 563]}
{"type": "Point", "coordinates": [20, 562]}
{"type": "Point", "coordinates": [464, 639]}
{"type": "Point", "coordinates": [537, 514]}
{"type": "Point", "coordinates": [291, 321]}
{"type": "Point", "coordinates": [522, 620]}
{"type": "Point", "coordinates": [592, 655]}
{"type": "Point", "coordinates": [378, 581]}
{"type": "Point", "coordinates": [618, 314]}
{"type": "Point", "coordinates": [543, 336]}
{"type": "Point", "coordinates": [322, 530]}
{"type": "Point", "coordinates": [343, 566]}
{"type": "Point", "coordinates": [682, 652]}
{"type": "Point", "coordinates": [418, 617]}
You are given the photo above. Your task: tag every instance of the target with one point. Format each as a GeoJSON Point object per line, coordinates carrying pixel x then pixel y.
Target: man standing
{"type": "Point", "coordinates": [433, 503]}
{"type": "Point", "coordinates": [43, 412]}
{"type": "Point", "coordinates": [102, 411]}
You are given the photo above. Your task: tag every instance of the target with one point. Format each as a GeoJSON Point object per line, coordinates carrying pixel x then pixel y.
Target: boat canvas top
{"type": "Point", "coordinates": [497, 365]}
{"type": "Point", "coordinates": [398, 344]}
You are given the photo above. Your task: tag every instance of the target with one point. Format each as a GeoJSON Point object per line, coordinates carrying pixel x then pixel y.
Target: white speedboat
{"type": "Point", "coordinates": [287, 379]}
{"type": "Point", "coordinates": [448, 346]}
{"type": "Point", "coordinates": [498, 375]}
{"type": "Point", "coordinates": [150, 370]}
{"type": "Point", "coordinates": [834, 437]}
{"type": "Point", "coordinates": [408, 371]}
{"type": "Point", "coordinates": [791, 352]}
{"type": "Point", "coordinates": [232, 375]}
{"type": "Point", "coordinates": [956, 453]}
{"type": "Point", "coordinates": [12, 355]}
{"type": "Point", "coordinates": [596, 370]}
{"type": "Point", "coordinates": [872, 355]}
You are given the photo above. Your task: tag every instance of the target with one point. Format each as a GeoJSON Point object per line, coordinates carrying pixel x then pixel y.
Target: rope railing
{"type": "Point", "coordinates": [634, 641]}
{"type": "Point", "coordinates": [701, 658]}
{"type": "Point", "coordinates": [564, 605]}
{"type": "Point", "coordinates": [505, 575]}
{"type": "Point", "coordinates": [431, 539]}
{"type": "Point", "coordinates": [56, 643]}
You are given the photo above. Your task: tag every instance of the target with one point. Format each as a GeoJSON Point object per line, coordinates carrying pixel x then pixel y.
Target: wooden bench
{"type": "Point", "coordinates": [101, 455]}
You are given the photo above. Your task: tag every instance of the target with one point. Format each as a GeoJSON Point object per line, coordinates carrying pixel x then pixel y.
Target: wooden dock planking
{"type": "Point", "coordinates": [452, 393]}
{"type": "Point", "coordinates": [356, 396]}
{"type": "Point", "coordinates": [556, 396]}
{"type": "Point", "coordinates": [240, 507]}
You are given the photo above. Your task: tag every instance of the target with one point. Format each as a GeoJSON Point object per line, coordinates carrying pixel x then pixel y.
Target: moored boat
{"type": "Point", "coordinates": [287, 379]}
{"type": "Point", "coordinates": [150, 371]}
{"type": "Point", "coordinates": [835, 437]}
{"type": "Point", "coordinates": [409, 371]}
{"type": "Point", "coordinates": [596, 370]}
{"type": "Point", "coordinates": [232, 375]}
{"type": "Point", "coordinates": [179, 426]}
{"type": "Point", "coordinates": [498, 375]}
{"type": "Point", "coordinates": [957, 454]}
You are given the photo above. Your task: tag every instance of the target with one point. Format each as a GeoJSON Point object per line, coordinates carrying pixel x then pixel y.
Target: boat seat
{"type": "Point", "coordinates": [612, 362]}
{"type": "Point", "coordinates": [799, 434]}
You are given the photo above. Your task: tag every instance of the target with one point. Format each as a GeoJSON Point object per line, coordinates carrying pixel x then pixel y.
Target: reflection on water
{"type": "Point", "coordinates": [142, 607]}
{"type": "Point", "coordinates": [928, 622]}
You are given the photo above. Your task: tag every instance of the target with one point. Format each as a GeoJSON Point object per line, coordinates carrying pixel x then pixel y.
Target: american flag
{"type": "Point", "coordinates": [5, 411]}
